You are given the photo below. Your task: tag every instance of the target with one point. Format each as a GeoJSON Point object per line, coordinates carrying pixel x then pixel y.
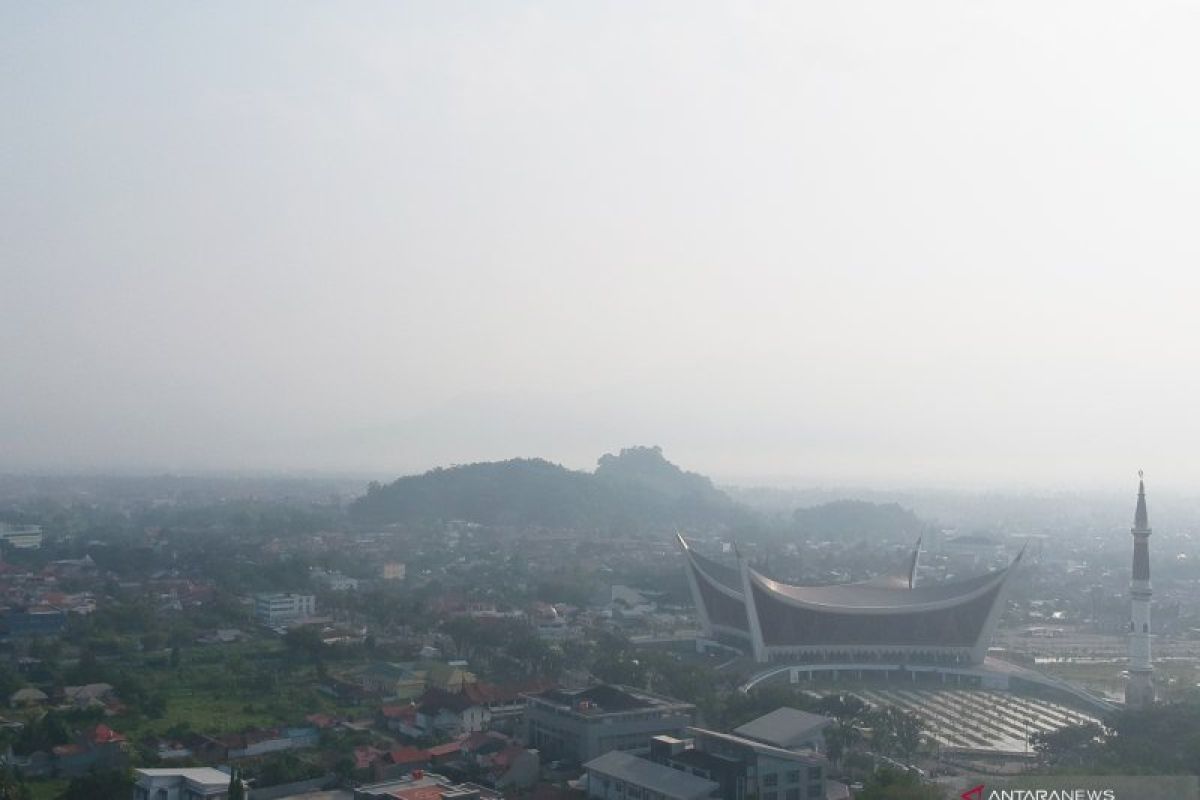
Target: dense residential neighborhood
{"type": "Point", "coordinates": [164, 639]}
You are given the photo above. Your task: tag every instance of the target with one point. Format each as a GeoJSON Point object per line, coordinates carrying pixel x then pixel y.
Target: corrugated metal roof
{"type": "Point", "coordinates": [784, 727]}
{"type": "Point", "coordinates": [648, 775]}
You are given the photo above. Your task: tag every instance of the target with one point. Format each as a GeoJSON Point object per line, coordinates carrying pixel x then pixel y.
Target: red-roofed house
{"type": "Point", "coordinates": [321, 721]}
{"type": "Point", "coordinates": [401, 762]}
{"type": "Point", "coordinates": [96, 748]}
{"type": "Point", "coordinates": [505, 703]}
{"type": "Point", "coordinates": [365, 756]}
{"type": "Point", "coordinates": [443, 753]}
{"type": "Point", "coordinates": [514, 766]}
{"type": "Point", "coordinates": [419, 793]}
{"type": "Point", "coordinates": [412, 757]}
{"type": "Point", "coordinates": [481, 745]}
{"type": "Point", "coordinates": [102, 734]}
{"type": "Point", "coordinates": [402, 719]}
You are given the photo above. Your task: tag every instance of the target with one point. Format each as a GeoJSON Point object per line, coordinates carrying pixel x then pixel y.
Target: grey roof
{"type": "Point", "coordinates": [758, 747]}
{"type": "Point", "coordinates": [784, 727]}
{"type": "Point", "coordinates": [609, 698]}
{"type": "Point", "coordinates": [648, 775]}
{"type": "Point", "coordinates": [205, 776]}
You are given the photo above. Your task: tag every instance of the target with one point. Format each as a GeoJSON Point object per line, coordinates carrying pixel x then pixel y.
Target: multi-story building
{"type": "Point", "coordinates": [789, 729]}
{"type": "Point", "coordinates": [276, 609]}
{"type": "Point", "coordinates": [40, 621]}
{"type": "Point", "coordinates": [580, 724]}
{"type": "Point", "coordinates": [21, 537]}
{"type": "Point", "coordinates": [743, 768]}
{"type": "Point", "coordinates": [421, 785]}
{"type": "Point", "coordinates": [624, 776]}
{"type": "Point", "coordinates": [193, 783]}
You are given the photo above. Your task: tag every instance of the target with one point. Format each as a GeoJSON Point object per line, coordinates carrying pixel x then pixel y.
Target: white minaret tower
{"type": "Point", "coordinates": [1139, 687]}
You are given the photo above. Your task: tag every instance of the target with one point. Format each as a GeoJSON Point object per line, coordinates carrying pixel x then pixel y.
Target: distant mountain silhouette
{"type": "Point", "coordinates": [633, 490]}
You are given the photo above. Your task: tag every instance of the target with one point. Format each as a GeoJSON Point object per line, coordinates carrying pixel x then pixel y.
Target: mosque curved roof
{"type": "Point", "coordinates": [893, 593]}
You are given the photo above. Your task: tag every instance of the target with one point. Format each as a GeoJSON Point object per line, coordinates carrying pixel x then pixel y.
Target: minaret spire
{"type": "Point", "coordinates": [1139, 687]}
{"type": "Point", "coordinates": [1141, 520]}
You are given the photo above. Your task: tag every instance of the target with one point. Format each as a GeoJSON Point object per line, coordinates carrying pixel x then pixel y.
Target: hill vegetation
{"type": "Point", "coordinates": [634, 490]}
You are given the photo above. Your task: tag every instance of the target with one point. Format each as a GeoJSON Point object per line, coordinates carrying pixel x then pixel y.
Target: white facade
{"type": "Point", "coordinates": [273, 609]}
{"type": "Point", "coordinates": [336, 581]}
{"type": "Point", "coordinates": [472, 719]}
{"type": "Point", "coordinates": [21, 537]}
{"type": "Point", "coordinates": [199, 783]}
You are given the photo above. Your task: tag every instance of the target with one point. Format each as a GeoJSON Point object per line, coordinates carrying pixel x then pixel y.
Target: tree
{"type": "Point", "coordinates": [305, 639]}
{"type": "Point", "coordinates": [9, 681]}
{"type": "Point", "coordinates": [106, 785]}
{"type": "Point", "coordinates": [841, 738]}
{"type": "Point", "coordinates": [842, 707]}
{"type": "Point", "coordinates": [1074, 745]}
{"type": "Point", "coordinates": [237, 789]}
{"type": "Point", "coordinates": [895, 784]}
{"type": "Point", "coordinates": [12, 787]}
{"type": "Point", "coordinates": [42, 733]}
{"type": "Point", "coordinates": [1162, 739]}
{"type": "Point", "coordinates": [894, 731]}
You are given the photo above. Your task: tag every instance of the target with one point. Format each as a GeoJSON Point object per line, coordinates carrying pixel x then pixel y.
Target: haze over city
{"type": "Point", "coordinates": [870, 243]}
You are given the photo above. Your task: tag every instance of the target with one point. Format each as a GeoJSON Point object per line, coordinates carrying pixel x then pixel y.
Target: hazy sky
{"type": "Point", "coordinates": [882, 242]}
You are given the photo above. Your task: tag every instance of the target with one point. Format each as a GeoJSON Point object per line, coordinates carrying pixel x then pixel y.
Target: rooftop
{"type": "Point", "coordinates": [784, 727]}
{"type": "Point", "coordinates": [206, 776]}
{"type": "Point", "coordinates": [424, 786]}
{"type": "Point", "coordinates": [758, 747]}
{"type": "Point", "coordinates": [646, 774]}
{"type": "Point", "coordinates": [607, 699]}
{"type": "Point", "coordinates": [868, 595]}
{"type": "Point", "coordinates": [701, 759]}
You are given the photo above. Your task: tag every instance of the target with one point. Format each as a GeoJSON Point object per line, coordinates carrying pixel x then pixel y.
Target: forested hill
{"type": "Point", "coordinates": [636, 489]}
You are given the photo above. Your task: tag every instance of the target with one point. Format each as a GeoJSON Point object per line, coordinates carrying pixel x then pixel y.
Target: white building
{"type": "Point", "coordinates": [21, 537]}
{"type": "Point", "coordinates": [275, 609]}
{"type": "Point", "coordinates": [394, 571]}
{"type": "Point", "coordinates": [335, 581]}
{"type": "Point", "coordinates": [196, 783]}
